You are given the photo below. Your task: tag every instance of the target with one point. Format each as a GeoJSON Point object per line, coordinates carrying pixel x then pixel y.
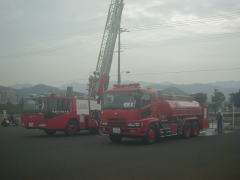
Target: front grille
{"type": "Point", "coordinates": [115, 122]}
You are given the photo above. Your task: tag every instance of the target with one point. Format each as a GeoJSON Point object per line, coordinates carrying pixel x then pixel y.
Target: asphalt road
{"type": "Point", "coordinates": [31, 155]}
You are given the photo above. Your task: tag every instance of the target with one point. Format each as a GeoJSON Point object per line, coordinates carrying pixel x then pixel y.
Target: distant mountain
{"type": "Point", "coordinates": [227, 84]}
{"type": "Point", "coordinates": [12, 95]}
{"type": "Point", "coordinates": [78, 87]}
{"type": "Point", "coordinates": [4, 89]}
{"type": "Point", "coordinates": [21, 86]}
{"type": "Point", "coordinates": [39, 89]}
{"type": "Point", "coordinates": [8, 95]}
{"type": "Point", "coordinates": [174, 91]}
{"type": "Point", "coordinates": [226, 87]}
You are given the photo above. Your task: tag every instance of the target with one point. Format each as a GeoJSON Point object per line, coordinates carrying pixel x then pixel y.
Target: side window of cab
{"type": "Point", "coordinates": [145, 99]}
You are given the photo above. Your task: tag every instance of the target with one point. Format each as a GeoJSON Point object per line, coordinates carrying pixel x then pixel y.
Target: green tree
{"type": "Point", "coordinates": [200, 97]}
{"type": "Point", "coordinates": [235, 98]}
{"type": "Point", "coordinates": [217, 100]}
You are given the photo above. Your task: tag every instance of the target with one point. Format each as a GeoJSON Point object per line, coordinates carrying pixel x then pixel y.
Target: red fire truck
{"type": "Point", "coordinates": [60, 113]}
{"type": "Point", "coordinates": [73, 114]}
{"type": "Point", "coordinates": [132, 111]}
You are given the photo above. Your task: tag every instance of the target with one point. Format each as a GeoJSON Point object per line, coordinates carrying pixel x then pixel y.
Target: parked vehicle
{"type": "Point", "coordinates": [59, 113]}
{"type": "Point", "coordinates": [132, 111]}
{"type": "Point", "coordinates": [73, 114]}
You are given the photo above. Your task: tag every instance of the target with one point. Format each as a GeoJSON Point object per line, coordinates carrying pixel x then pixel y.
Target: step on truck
{"type": "Point", "coordinates": [132, 111]}
{"type": "Point", "coordinates": [59, 113]}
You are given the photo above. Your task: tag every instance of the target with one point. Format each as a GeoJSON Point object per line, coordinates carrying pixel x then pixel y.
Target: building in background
{"type": "Point", "coordinates": [8, 96]}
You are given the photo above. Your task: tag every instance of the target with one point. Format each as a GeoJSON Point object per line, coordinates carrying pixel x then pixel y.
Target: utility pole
{"type": "Point", "coordinates": [121, 30]}
{"type": "Point", "coordinates": [119, 56]}
{"type": "Point", "coordinates": [233, 116]}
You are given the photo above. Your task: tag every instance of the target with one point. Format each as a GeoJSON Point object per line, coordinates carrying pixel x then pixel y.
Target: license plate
{"type": "Point", "coordinates": [30, 124]}
{"type": "Point", "coordinates": [116, 130]}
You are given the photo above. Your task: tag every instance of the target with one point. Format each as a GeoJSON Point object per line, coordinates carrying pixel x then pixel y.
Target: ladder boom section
{"type": "Point", "coordinates": [99, 81]}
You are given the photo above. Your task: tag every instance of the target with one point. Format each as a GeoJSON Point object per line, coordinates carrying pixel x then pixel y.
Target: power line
{"type": "Point", "coordinates": [217, 18]}
{"type": "Point", "coordinates": [145, 74]}
{"type": "Point", "coordinates": [187, 71]}
{"type": "Point", "coordinates": [187, 22]}
{"type": "Point", "coordinates": [184, 23]}
{"type": "Point", "coordinates": [198, 39]}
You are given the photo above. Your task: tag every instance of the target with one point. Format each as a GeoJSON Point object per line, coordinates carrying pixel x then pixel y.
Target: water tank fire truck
{"type": "Point", "coordinates": [132, 111]}
{"type": "Point", "coordinates": [59, 113]}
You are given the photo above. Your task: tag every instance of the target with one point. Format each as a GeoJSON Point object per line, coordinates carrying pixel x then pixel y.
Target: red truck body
{"type": "Point", "coordinates": [132, 111]}
{"type": "Point", "coordinates": [54, 113]}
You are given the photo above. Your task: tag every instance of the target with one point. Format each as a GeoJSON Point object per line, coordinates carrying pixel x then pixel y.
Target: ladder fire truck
{"type": "Point", "coordinates": [99, 81]}
{"type": "Point", "coordinates": [59, 113]}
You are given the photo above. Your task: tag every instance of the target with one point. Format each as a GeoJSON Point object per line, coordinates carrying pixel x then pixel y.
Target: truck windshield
{"type": "Point", "coordinates": [41, 105]}
{"type": "Point", "coordinates": [125, 100]}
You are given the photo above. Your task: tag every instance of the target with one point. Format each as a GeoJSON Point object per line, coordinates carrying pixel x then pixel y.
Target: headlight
{"type": "Point", "coordinates": [134, 124]}
{"type": "Point", "coordinates": [42, 125]}
{"type": "Point", "coordinates": [104, 123]}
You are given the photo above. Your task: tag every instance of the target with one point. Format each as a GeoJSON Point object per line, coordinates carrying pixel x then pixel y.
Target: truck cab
{"type": "Point", "coordinates": [127, 111]}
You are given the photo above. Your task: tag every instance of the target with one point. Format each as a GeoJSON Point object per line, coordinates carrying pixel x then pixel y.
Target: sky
{"type": "Point", "coordinates": [58, 41]}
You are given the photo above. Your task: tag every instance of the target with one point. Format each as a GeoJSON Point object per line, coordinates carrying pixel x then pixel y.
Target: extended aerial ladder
{"type": "Point", "coordinates": [98, 82]}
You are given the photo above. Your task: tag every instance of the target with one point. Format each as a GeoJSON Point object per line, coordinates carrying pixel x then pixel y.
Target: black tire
{"type": "Point", "coordinates": [115, 138]}
{"type": "Point", "coordinates": [195, 129]}
{"type": "Point", "coordinates": [187, 130]}
{"type": "Point", "coordinates": [71, 128]}
{"type": "Point", "coordinates": [50, 132]}
{"type": "Point", "coordinates": [151, 136]}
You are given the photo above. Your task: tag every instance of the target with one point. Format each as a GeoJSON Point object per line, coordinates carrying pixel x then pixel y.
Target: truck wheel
{"type": "Point", "coordinates": [187, 130]}
{"type": "Point", "coordinates": [71, 128]}
{"type": "Point", "coordinates": [115, 138]}
{"type": "Point", "coordinates": [50, 132]}
{"type": "Point", "coordinates": [151, 136]}
{"type": "Point", "coordinates": [195, 129]}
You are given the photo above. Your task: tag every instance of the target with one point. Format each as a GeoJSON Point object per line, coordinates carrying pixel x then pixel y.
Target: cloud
{"type": "Point", "coordinates": [171, 19]}
{"type": "Point", "coordinates": [164, 10]}
{"type": "Point", "coordinates": [140, 10]}
{"type": "Point", "coordinates": [84, 42]}
{"type": "Point", "coordinates": [60, 34]}
{"type": "Point", "coordinates": [9, 11]}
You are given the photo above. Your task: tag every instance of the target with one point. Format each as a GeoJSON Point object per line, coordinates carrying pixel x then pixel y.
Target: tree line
{"type": "Point", "coordinates": [218, 101]}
